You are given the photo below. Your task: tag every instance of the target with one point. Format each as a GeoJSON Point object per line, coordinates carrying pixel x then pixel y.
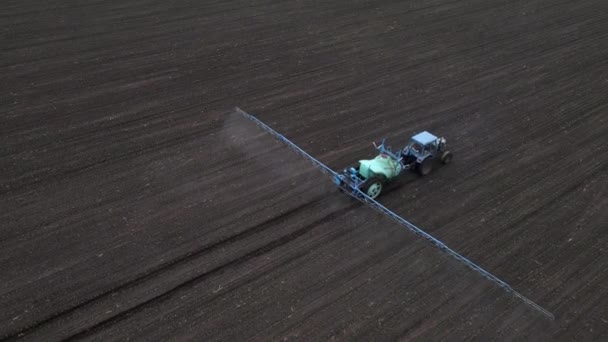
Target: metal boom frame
{"type": "Point", "coordinates": [361, 196]}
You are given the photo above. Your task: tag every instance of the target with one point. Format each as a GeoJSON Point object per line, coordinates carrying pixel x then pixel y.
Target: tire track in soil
{"type": "Point", "coordinates": [204, 250]}
{"type": "Point", "coordinates": [160, 272]}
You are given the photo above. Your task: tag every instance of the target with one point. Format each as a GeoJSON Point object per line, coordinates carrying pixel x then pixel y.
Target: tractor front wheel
{"type": "Point", "coordinates": [446, 157]}
{"type": "Point", "coordinates": [425, 167]}
{"type": "Point", "coordinates": [373, 187]}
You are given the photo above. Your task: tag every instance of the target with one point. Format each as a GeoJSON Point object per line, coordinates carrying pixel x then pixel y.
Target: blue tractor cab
{"type": "Point", "coordinates": [422, 149]}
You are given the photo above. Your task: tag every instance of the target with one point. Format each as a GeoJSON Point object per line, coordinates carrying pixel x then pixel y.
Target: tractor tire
{"type": "Point", "coordinates": [425, 167]}
{"type": "Point", "coordinates": [446, 157]}
{"type": "Point", "coordinates": [373, 187]}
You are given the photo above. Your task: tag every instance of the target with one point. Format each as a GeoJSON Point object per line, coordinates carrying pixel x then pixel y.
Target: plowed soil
{"type": "Point", "coordinates": [137, 205]}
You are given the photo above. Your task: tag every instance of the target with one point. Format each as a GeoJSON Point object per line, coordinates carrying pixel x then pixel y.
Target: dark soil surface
{"type": "Point", "coordinates": [137, 205]}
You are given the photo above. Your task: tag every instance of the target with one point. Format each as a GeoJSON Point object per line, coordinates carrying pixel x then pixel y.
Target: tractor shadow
{"type": "Point", "coordinates": [410, 178]}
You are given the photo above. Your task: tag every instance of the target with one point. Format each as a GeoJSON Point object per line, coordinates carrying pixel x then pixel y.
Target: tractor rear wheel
{"type": "Point", "coordinates": [425, 167]}
{"type": "Point", "coordinates": [446, 157]}
{"type": "Point", "coordinates": [373, 187]}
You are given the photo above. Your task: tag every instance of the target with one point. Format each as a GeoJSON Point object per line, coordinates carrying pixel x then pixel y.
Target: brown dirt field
{"type": "Point", "coordinates": [137, 205]}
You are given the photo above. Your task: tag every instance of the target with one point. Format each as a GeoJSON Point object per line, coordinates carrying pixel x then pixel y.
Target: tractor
{"type": "Point", "coordinates": [418, 155]}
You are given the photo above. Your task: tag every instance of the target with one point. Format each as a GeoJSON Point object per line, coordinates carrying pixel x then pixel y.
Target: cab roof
{"type": "Point", "coordinates": [424, 138]}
